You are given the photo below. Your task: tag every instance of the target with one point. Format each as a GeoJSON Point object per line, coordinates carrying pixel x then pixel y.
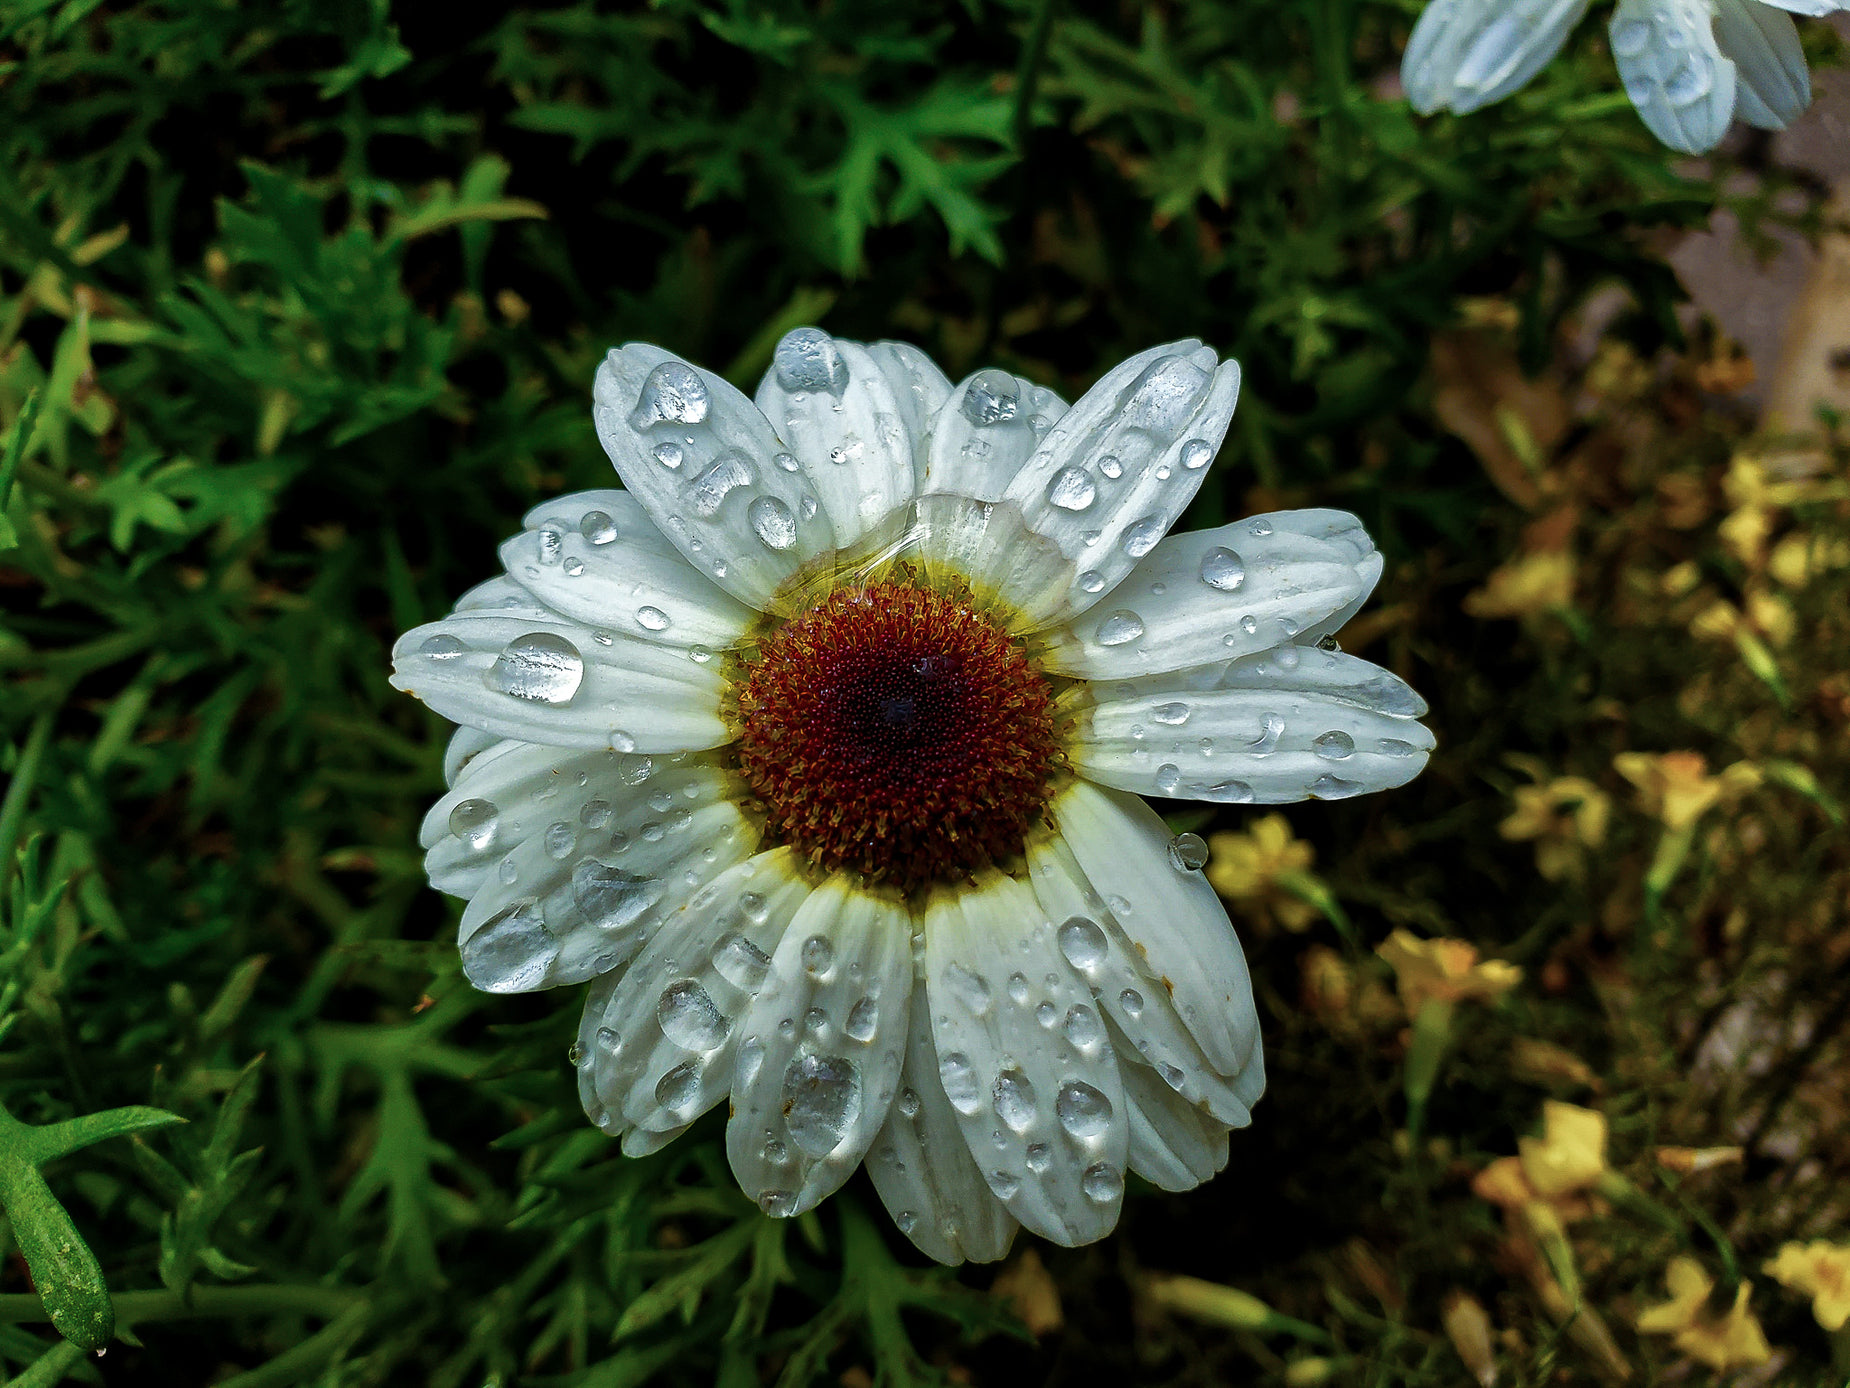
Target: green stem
{"type": "Point", "coordinates": [25, 773]}
{"type": "Point", "coordinates": [204, 1303]}
{"type": "Point", "coordinates": [1028, 75]}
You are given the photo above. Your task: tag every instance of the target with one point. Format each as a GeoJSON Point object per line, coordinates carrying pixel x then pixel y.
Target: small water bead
{"type": "Point", "coordinates": [772, 522]}
{"type": "Point", "coordinates": [1173, 1075]}
{"type": "Point", "coordinates": [787, 1028]}
{"type": "Point", "coordinates": [1083, 942]}
{"type": "Point", "coordinates": [778, 1204]}
{"type": "Point", "coordinates": [863, 1020]}
{"type": "Point", "coordinates": [1102, 1183]}
{"type": "Point", "coordinates": [1334, 788]}
{"type": "Point", "coordinates": [604, 638]}
{"type": "Point", "coordinates": [969, 988]}
{"type": "Point", "coordinates": [1140, 536]}
{"type": "Point", "coordinates": [1111, 467]}
{"type": "Point", "coordinates": [958, 1077]}
{"type": "Point", "coordinates": [807, 359]}
{"type": "Point", "coordinates": [541, 667]}
{"type": "Point", "coordinates": [1119, 628]}
{"type": "Point", "coordinates": [1157, 589]}
{"type": "Point", "coordinates": [610, 898]}
{"type": "Point", "coordinates": [815, 1021]}
{"type": "Point", "coordinates": [669, 454]}
{"type": "Point", "coordinates": [1072, 489]}
{"type": "Point", "coordinates": [1131, 1001]}
{"type": "Point", "coordinates": [1630, 37]}
{"type": "Point", "coordinates": [595, 814]}
{"type": "Point", "coordinates": [442, 646]}
{"type": "Point", "coordinates": [773, 1150]}
{"type": "Point", "coordinates": [1090, 538]}
{"type": "Point", "coordinates": [1168, 778]}
{"type": "Point", "coordinates": [1012, 1096]}
{"type": "Point", "coordinates": [574, 567]}
{"type": "Point", "coordinates": [1394, 747]}
{"type": "Point", "coordinates": [1333, 746]}
{"type": "Point", "coordinates": [672, 394]}
{"type": "Point", "coordinates": [992, 397]}
{"type": "Point", "coordinates": [1196, 454]}
{"type": "Point", "coordinates": [1046, 1013]}
{"type": "Point", "coordinates": [699, 654]}
{"type": "Point", "coordinates": [1175, 714]}
{"type": "Point", "coordinates": [651, 618]}
{"type": "Point", "coordinates": [1249, 624]}
{"type": "Point", "coordinates": [1188, 852]}
{"type": "Point", "coordinates": [1083, 1028]}
{"type": "Point", "coordinates": [560, 839]}
{"type": "Point", "coordinates": [818, 956]}
{"type": "Point", "coordinates": [754, 907]}
{"type": "Point", "coordinates": [511, 952]}
{"type": "Point", "coordinates": [748, 1062]}
{"type": "Point", "coordinates": [1091, 581]}
{"type": "Point", "coordinates": [1260, 528]}
{"type": "Point", "coordinates": [1222, 569]}
{"type": "Point", "coordinates": [1271, 729]}
{"type": "Point", "coordinates": [508, 872]}
{"type": "Point", "coordinates": [597, 527]}
{"type": "Point", "coordinates": [638, 771]}
{"type": "Point", "coordinates": [1018, 989]}
{"type": "Point", "coordinates": [607, 1038]}
{"type": "Point", "coordinates": [688, 1016]}
{"type": "Point", "coordinates": [847, 451]}
{"type": "Point", "coordinates": [1164, 395]}
{"type": "Point", "coordinates": [473, 821]}
{"type": "Point", "coordinates": [551, 543]}
{"type": "Point", "coordinates": [1082, 1110]}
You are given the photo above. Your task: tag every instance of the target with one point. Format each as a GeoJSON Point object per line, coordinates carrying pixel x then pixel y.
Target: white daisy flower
{"type": "Point", "coordinates": [818, 751]}
{"type": "Point", "coordinates": [1690, 66]}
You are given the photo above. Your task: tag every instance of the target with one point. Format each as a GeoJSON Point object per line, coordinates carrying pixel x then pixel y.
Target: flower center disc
{"type": "Point", "coordinates": [895, 731]}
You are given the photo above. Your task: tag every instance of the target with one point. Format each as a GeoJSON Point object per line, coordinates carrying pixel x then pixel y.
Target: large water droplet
{"type": "Point", "coordinates": [741, 963]}
{"type": "Point", "coordinates": [1071, 489]}
{"type": "Point", "coordinates": [688, 1016]}
{"type": "Point", "coordinates": [808, 359]}
{"type": "Point", "coordinates": [1083, 1028]}
{"type": "Point", "coordinates": [442, 646]}
{"type": "Point", "coordinates": [1175, 713]}
{"type": "Point", "coordinates": [970, 989]}
{"type": "Point", "coordinates": [1102, 1183]}
{"type": "Point", "coordinates": [1083, 942]}
{"type": "Point", "coordinates": [818, 956]}
{"type": "Point", "coordinates": [1168, 778]}
{"type": "Point", "coordinates": [822, 1100]}
{"type": "Point", "coordinates": [597, 527]}
{"type": "Point", "coordinates": [1082, 1110]}
{"type": "Point", "coordinates": [672, 394]}
{"type": "Point", "coordinates": [1188, 852]}
{"type": "Point", "coordinates": [1039, 1157]}
{"type": "Point", "coordinates": [560, 839]}
{"type": "Point", "coordinates": [1195, 454]}
{"type": "Point", "coordinates": [511, 952]}
{"type": "Point", "coordinates": [669, 454]}
{"type": "Point", "coordinates": [1334, 788]}
{"type": "Point", "coordinates": [959, 1080]}
{"type": "Point", "coordinates": [1119, 628]}
{"type": "Point", "coordinates": [992, 397]}
{"type": "Point", "coordinates": [772, 522]}
{"type": "Point", "coordinates": [1334, 745]}
{"type": "Point", "coordinates": [723, 476]}
{"type": "Point", "coordinates": [1163, 397]}
{"type": "Point", "coordinates": [1091, 581]}
{"type": "Point", "coordinates": [679, 1086]}
{"type": "Point", "coordinates": [610, 898]}
{"type": "Point", "coordinates": [863, 1020]}
{"type": "Point", "coordinates": [1012, 1096]}
{"type": "Point", "coordinates": [651, 618]}
{"type": "Point", "coordinates": [1394, 747]}
{"type": "Point", "coordinates": [1223, 569]}
{"type": "Point", "coordinates": [541, 666]}
{"type": "Point", "coordinates": [1004, 1184]}
{"type": "Point", "coordinates": [473, 821]}
{"type": "Point", "coordinates": [1131, 1001]}
{"type": "Point", "coordinates": [1140, 536]}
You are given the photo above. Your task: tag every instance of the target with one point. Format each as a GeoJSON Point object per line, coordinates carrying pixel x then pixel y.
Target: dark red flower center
{"type": "Point", "coordinates": [896, 732]}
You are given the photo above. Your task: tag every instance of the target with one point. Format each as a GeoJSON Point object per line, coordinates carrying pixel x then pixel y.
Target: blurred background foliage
{"type": "Point", "coordinates": [299, 308]}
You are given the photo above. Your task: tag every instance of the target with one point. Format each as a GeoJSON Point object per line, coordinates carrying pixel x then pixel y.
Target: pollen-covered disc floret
{"type": "Point", "coordinates": [896, 732]}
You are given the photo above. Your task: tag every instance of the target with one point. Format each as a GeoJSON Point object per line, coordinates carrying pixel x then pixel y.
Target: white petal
{"type": "Point", "coordinates": [921, 387]}
{"type": "Point", "coordinates": [709, 469]}
{"type": "Point", "coordinates": [845, 420]}
{"type": "Point", "coordinates": [1112, 476]}
{"type": "Point", "coordinates": [1134, 1001]}
{"type": "Point", "coordinates": [1024, 1059]}
{"type": "Point", "coordinates": [466, 744]}
{"type": "Point", "coordinates": [546, 679]}
{"type": "Point", "coordinates": [923, 1170]}
{"type": "Point", "coordinates": [1171, 916]}
{"type": "Point", "coordinates": [1174, 1145]}
{"type": "Point", "coordinates": [1673, 70]}
{"type": "Point", "coordinates": [1815, 8]}
{"type": "Point", "coordinates": [656, 1044]}
{"type": "Point", "coordinates": [597, 558]}
{"type": "Point", "coordinates": [953, 539]}
{"type": "Point", "coordinates": [988, 427]}
{"type": "Point", "coordinates": [1772, 84]}
{"type": "Point", "coordinates": [499, 594]}
{"type": "Point", "coordinates": [821, 1048]}
{"type": "Point", "coordinates": [567, 901]}
{"type": "Point", "coordinates": [1277, 737]}
{"type": "Point", "coordinates": [1464, 54]}
{"type": "Point", "coordinates": [1233, 590]}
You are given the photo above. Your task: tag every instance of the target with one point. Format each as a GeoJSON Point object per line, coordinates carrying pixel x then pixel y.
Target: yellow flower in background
{"type": "Point", "coordinates": [1821, 1271]}
{"type": "Point", "coordinates": [1526, 586]}
{"type": "Point", "coordinates": [1798, 558]}
{"type": "Point", "coordinates": [1732, 1340]}
{"type": "Point", "coordinates": [1570, 1155]}
{"type": "Point", "coordinates": [1564, 817]}
{"type": "Point", "coordinates": [1444, 971]}
{"type": "Point", "coordinates": [1676, 787]}
{"type": "Point", "coordinates": [1250, 869]}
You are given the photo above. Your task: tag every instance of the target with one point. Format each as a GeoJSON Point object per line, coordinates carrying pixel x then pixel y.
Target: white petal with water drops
{"type": "Point", "coordinates": [809, 1090]}
{"type": "Point", "coordinates": [1674, 71]}
{"type": "Point", "coordinates": [597, 558]}
{"type": "Point", "coordinates": [1772, 83]}
{"type": "Point", "coordinates": [1173, 918]}
{"type": "Point", "coordinates": [662, 1038]}
{"type": "Point", "coordinates": [987, 429]}
{"type": "Point", "coordinates": [843, 418]}
{"type": "Point", "coordinates": [1038, 1100]}
{"type": "Point", "coordinates": [561, 683]}
{"type": "Point", "coordinates": [954, 539]}
{"type": "Point", "coordinates": [705, 463]}
{"type": "Point", "coordinates": [1211, 594]}
{"type": "Point", "coordinates": [1174, 1145]}
{"type": "Point", "coordinates": [1119, 467]}
{"type": "Point", "coordinates": [1464, 54]}
{"type": "Point", "coordinates": [925, 1174]}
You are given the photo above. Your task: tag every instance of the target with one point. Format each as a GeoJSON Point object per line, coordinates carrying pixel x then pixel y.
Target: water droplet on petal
{"type": "Point", "coordinates": [1119, 628]}
{"type": "Point", "coordinates": [1260, 528]}
{"type": "Point", "coordinates": [1175, 714]}
{"type": "Point", "coordinates": [778, 1204]}
{"type": "Point", "coordinates": [970, 989]}
{"type": "Point", "coordinates": [1083, 1028]}
{"type": "Point", "coordinates": [511, 952]}
{"type": "Point", "coordinates": [723, 476]}
{"type": "Point", "coordinates": [1333, 746]}
{"type": "Point", "coordinates": [741, 963]}
{"type": "Point", "coordinates": [1195, 454]}
{"type": "Point", "coordinates": [1004, 1185]}
{"type": "Point", "coordinates": [1111, 467]}
{"type": "Point", "coordinates": [1012, 1096]}
{"type": "Point", "coordinates": [1188, 852]}
{"type": "Point", "coordinates": [1102, 1183]}
{"type": "Point", "coordinates": [1071, 489]}
{"type": "Point", "coordinates": [442, 646]}
{"type": "Point", "coordinates": [1168, 778]}
{"type": "Point", "coordinates": [541, 666]}
{"type": "Point", "coordinates": [1223, 569]}
{"type": "Point", "coordinates": [1083, 942]}
{"type": "Point", "coordinates": [597, 527]}
{"type": "Point", "coordinates": [560, 840]}
{"type": "Point", "coordinates": [672, 394]}
{"type": "Point", "coordinates": [1140, 536]}
{"type": "Point", "coordinates": [991, 397]}
{"type": "Point", "coordinates": [595, 814]}
{"type": "Point", "coordinates": [473, 821]}
{"type": "Point", "coordinates": [669, 454]}
{"type": "Point", "coordinates": [1091, 581]}
{"type": "Point", "coordinates": [1394, 747]}
{"type": "Point", "coordinates": [863, 1020]}
{"type": "Point", "coordinates": [959, 1080]}
{"type": "Point", "coordinates": [818, 956]}
{"type": "Point", "coordinates": [772, 522]}
{"type": "Point", "coordinates": [787, 461]}
{"type": "Point", "coordinates": [1131, 1001]}
{"type": "Point", "coordinates": [1334, 788]}
{"type": "Point", "coordinates": [909, 1102]}
{"type": "Point", "coordinates": [1164, 396]}
{"type": "Point", "coordinates": [1082, 1110]}
{"type": "Point", "coordinates": [822, 1100]}
{"type": "Point", "coordinates": [808, 359]}
{"type": "Point", "coordinates": [610, 898]}
{"type": "Point", "coordinates": [688, 1016]}
{"type": "Point", "coordinates": [651, 618]}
